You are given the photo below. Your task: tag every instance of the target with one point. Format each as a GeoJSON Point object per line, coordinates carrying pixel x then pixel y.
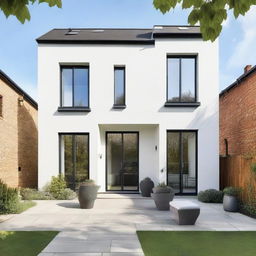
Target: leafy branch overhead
{"type": "Point", "coordinates": [19, 8]}
{"type": "Point", "coordinates": [210, 14]}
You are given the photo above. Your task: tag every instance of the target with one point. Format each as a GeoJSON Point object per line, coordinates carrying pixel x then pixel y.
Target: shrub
{"type": "Point", "coordinates": [56, 186]}
{"type": "Point", "coordinates": [66, 194]}
{"type": "Point", "coordinates": [253, 167]}
{"type": "Point", "coordinates": [33, 194]}
{"type": "Point", "coordinates": [231, 191]}
{"type": "Point", "coordinates": [9, 199]}
{"type": "Point", "coordinates": [211, 196]}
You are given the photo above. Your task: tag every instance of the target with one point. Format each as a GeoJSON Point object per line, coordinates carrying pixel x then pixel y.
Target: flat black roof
{"type": "Point", "coordinates": [16, 88]}
{"type": "Point", "coordinates": [238, 80]}
{"type": "Point", "coordinates": [118, 35]}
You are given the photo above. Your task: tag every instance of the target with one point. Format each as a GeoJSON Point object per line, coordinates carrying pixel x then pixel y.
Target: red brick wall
{"type": "Point", "coordinates": [238, 118]}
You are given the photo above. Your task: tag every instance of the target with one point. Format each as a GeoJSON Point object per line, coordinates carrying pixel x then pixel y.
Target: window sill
{"type": "Point", "coordinates": [119, 106]}
{"type": "Point", "coordinates": [74, 109]}
{"type": "Point", "coordinates": [182, 104]}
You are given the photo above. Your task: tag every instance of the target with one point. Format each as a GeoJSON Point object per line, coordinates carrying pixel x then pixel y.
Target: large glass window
{"type": "Point", "coordinates": [74, 152]}
{"type": "Point", "coordinates": [75, 86]}
{"type": "Point", "coordinates": [181, 161]}
{"type": "Point", "coordinates": [119, 77]}
{"type": "Point", "coordinates": [181, 79]}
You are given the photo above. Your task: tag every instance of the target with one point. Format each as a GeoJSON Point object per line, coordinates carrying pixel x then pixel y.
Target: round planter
{"type": "Point", "coordinates": [146, 186]}
{"type": "Point", "coordinates": [87, 194]}
{"type": "Point", "coordinates": [162, 200]}
{"type": "Point", "coordinates": [230, 203]}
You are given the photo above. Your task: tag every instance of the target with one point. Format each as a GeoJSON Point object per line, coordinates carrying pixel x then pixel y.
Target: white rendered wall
{"type": "Point", "coordinates": [145, 98]}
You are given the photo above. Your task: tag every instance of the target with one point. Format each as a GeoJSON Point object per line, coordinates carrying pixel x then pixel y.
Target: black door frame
{"type": "Point", "coordinates": [180, 164]}
{"type": "Point", "coordinates": [106, 169]}
{"type": "Point", "coordinates": [73, 134]}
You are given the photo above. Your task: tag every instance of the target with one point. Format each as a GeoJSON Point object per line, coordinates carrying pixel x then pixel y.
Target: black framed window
{"type": "Point", "coordinates": [74, 88]}
{"type": "Point", "coordinates": [182, 161]}
{"type": "Point", "coordinates": [119, 87]}
{"type": "Point", "coordinates": [74, 158]}
{"type": "Point", "coordinates": [181, 80]}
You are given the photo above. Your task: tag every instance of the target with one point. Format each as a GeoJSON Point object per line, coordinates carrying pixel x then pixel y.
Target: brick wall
{"type": "Point", "coordinates": [238, 118]}
{"type": "Point", "coordinates": [18, 140]}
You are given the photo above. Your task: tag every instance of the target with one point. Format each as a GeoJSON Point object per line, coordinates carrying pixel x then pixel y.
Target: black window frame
{"type": "Point", "coordinates": [73, 150]}
{"type": "Point", "coordinates": [180, 103]}
{"type": "Point", "coordinates": [73, 108]}
{"type": "Point", "coordinates": [115, 105]}
{"type": "Point", "coordinates": [196, 160]}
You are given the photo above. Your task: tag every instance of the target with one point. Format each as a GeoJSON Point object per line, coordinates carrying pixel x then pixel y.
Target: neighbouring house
{"type": "Point", "coordinates": [18, 135]}
{"type": "Point", "coordinates": [119, 105]}
{"type": "Point", "coordinates": [238, 134]}
{"type": "Point", "coordinates": [238, 115]}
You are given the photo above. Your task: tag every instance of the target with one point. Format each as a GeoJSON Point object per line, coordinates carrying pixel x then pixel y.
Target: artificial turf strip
{"type": "Point", "coordinates": [198, 243]}
{"type": "Point", "coordinates": [25, 243]}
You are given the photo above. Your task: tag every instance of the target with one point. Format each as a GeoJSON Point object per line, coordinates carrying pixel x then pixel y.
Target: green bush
{"type": "Point", "coordinates": [66, 194]}
{"type": "Point", "coordinates": [9, 199]}
{"type": "Point", "coordinates": [57, 188]}
{"type": "Point", "coordinates": [253, 167]}
{"type": "Point", "coordinates": [33, 194]}
{"type": "Point", "coordinates": [232, 191]}
{"type": "Point", "coordinates": [211, 196]}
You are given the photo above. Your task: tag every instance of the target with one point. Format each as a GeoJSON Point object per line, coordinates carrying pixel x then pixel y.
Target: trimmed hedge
{"type": "Point", "coordinates": [211, 196]}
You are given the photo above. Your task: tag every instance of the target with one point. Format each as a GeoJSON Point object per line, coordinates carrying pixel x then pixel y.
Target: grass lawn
{"type": "Point", "coordinates": [198, 243]}
{"type": "Point", "coordinates": [25, 205]}
{"type": "Point", "coordinates": [27, 243]}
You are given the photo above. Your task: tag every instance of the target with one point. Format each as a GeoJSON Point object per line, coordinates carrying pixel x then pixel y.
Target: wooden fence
{"type": "Point", "coordinates": [236, 171]}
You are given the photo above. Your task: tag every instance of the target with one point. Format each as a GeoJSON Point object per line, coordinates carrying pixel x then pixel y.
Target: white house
{"type": "Point", "coordinates": [119, 105]}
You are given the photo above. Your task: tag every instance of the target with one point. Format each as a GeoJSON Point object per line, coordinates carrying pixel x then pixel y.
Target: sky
{"type": "Point", "coordinates": [18, 48]}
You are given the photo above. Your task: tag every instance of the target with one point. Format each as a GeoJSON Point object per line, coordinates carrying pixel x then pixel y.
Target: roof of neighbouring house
{"type": "Point", "coordinates": [118, 36]}
{"type": "Point", "coordinates": [16, 88]}
{"type": "Point", "coordinates": [238, 81]}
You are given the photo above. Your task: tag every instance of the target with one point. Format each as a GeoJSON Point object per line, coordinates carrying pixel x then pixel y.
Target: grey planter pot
{"type": "Point", "coordinates": [87, 194]}
{"type": "Point", "coordinates": [146, 187]}
{"type": "Point", "coordinates": [230, 203]}
{"type": "Point", "coordinates": [162, 200]}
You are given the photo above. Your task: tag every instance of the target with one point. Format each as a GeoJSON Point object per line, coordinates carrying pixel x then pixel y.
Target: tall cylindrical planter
{"type": "Point", "coordinates": [146, 186]}
{"type": "Point", "coordinates": [230, 203]}
{"type": "Point", "coordinates": [87, 195]}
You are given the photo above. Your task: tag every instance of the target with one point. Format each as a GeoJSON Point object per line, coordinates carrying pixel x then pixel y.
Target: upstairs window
{"type": "Point", "coordinates": [119, 84]}
{"type": "Point", "coordinates": [181, 79]}
{"type": "Point", "coordinates": [75, 87]}
{"type": "Point", "coordinates": [1, 106]}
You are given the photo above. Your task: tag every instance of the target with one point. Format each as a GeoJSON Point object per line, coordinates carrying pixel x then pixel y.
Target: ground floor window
{"type": "Point", "coordinates": [74, 158]}
{"type": "Point", "coordinates": [182, 161]}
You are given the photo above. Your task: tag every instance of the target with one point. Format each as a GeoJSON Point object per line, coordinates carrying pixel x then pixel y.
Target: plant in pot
{"type": "Point", "coordinates": [230, 200]}
{"type": "Point", "coordinates": [162, 195]}
{"type": "Point", "coordinates": [87, 194]}
{"type": "Point", "coordinates": [146, 186]}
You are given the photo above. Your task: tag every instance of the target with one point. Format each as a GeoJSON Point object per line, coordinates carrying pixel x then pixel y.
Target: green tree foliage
{"type": "Point", "coordinates": [210, 14]}
{"type": "Point", "coordinates": [19, 8]}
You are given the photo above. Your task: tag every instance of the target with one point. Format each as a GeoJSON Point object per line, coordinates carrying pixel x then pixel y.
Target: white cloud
{"type": "Point", "coordinates": [245, 51]}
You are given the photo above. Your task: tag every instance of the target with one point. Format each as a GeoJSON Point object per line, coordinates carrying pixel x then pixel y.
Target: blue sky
{"type": "Point", "coordinates": [18, 48]}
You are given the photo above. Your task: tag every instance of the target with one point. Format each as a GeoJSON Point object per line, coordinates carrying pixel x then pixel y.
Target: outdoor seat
{"type": "Point", "coordinates": [184, 212]}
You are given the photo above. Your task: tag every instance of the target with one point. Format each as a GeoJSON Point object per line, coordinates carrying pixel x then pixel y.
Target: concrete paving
{"type": "Point", "coordinates": [109, 228]}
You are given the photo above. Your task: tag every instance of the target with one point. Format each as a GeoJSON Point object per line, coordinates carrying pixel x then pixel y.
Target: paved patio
{"type": "Point", "coordinates": [110, 227]}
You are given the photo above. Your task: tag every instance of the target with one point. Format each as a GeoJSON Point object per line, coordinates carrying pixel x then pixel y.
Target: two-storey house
{"type": "Point", "coordinates": [119, 105]}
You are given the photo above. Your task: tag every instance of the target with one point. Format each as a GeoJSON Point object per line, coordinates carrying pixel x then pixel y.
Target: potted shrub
{"type": "Point", "coordinates": [146, 186]}
{"type": "Point", "coordinates": [162, 195]}
{"type": "Point", "coordinates": [87, 194]}
{"type": "Point", "coordinates": [230, 200]}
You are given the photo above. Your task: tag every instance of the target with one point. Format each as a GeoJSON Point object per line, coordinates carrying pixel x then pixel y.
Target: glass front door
{"type": "Point", "coordinates": [122, 154]}
{"type": "Point", "coordinates": [74, 157]}
{"type": "Point", "coordinates": [182, 161]}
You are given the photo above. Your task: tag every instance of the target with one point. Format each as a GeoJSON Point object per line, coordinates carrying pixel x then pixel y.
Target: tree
{"type": "Point", "coordinates": [19, 8]}
{"type": "Point", "coordinates": [210, 14]}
